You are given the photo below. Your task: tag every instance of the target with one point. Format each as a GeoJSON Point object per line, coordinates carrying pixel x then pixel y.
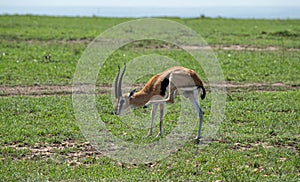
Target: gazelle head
{"type": "Point", "coordinates": [122, 101]}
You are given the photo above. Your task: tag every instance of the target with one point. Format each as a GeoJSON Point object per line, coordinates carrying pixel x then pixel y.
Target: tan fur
{"type": "Point", "coordinates": [182, 77]}
{"type": "Point", "coordinates": [160, 89]}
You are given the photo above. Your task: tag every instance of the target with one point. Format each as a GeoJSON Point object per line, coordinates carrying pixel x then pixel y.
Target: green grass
{"type": "Point", "coordinates": [44, 50]}
{"type": "Point", "coordinates": [247, 32]}
{"type": "Point", "coordinates": [214, 31]}
{"type": "Point", "coordinates": [263, 67]}
{"type": "Point", "coordinates": [30, 67]}
{"type": "Point", "coordinates": [29, 121]}
{"type": "Point", "coordinates": [26, 64]}
{"type": "Point", "coordinates": [258, 140]}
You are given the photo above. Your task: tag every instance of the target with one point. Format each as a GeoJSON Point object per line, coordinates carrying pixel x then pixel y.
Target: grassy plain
{"type": "Point", "coordinates": [257, 141]}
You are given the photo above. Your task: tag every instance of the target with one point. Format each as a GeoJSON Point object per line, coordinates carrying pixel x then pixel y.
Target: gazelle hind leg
{"type": "Point", "coordinates": [193, 97]}
{"type": "Point", "coordinates": [153, 112]}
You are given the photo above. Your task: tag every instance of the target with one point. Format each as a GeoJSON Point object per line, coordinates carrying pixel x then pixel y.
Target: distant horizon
{"type": "Point", "coordinates": [240, 12]}
{"type": "Point", "coordinates": [152, 3]}
{"type": "Point", "coordinates": [152, 6]}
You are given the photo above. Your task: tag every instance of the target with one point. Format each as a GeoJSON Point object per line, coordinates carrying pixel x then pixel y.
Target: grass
{"type": "Point", "coordinates": [257, 141]}
{"type": "Point", "coordinates": [44, 50]}
{"type": "Point", "coordinates": [215, 31]}
{"type": "Point", "coordinates": [19, 68]}
{"type": "Point", "coordinates": [30, 121]}
{"type": "Point", "coordinates": [260, 33]}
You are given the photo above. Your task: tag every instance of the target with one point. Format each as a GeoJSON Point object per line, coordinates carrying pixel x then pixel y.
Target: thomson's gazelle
{"type": "Point", "coordinates": [159, 90]}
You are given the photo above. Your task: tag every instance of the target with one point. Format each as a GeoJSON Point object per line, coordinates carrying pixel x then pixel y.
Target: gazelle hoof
{"type": "Point", "coordinates": [158, 135]}
{"type": "Point", "coordinates": [197, 139]}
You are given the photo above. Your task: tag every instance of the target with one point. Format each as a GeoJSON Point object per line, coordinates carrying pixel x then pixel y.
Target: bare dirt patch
{"type": "Point", "coordinates": [242, 48]}
{"type": "Point", "coordinates": [35, 90]}
{"type": "Point", "coordinates": [155, 45]}
{"type": "Point", "coordinates": [45, 90]}
{"type": "Point", "coordinates": [289, 144]}
{"type": "Point", "coordinates": [68, 152]}
{"type": "Point", "coordinates": [253, 146]}
{"type": "Point", "coordinates": [258, 87]}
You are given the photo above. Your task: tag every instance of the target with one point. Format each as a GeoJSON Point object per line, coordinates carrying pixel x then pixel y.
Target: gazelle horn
{"type": "Point", "coordinates": [116, 83]}
{"type": "Point", "coordinates": [120, 82]}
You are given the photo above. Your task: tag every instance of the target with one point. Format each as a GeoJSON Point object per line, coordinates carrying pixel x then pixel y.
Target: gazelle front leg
{"type": "Point", "coordinates": [162, 114]}
{"type": "Point", "coordinates": [153, 112]}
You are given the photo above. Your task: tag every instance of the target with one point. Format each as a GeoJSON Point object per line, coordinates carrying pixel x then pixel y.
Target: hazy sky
{"type": "Point", "coordinates": [168, 3]}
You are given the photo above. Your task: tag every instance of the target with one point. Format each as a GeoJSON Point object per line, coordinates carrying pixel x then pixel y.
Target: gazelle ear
{"type": "Point", "coordinates": [131, 93]}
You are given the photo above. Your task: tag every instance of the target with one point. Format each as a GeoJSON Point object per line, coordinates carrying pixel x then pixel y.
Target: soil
{"type": "Point", "coordinates": [44, 90]}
